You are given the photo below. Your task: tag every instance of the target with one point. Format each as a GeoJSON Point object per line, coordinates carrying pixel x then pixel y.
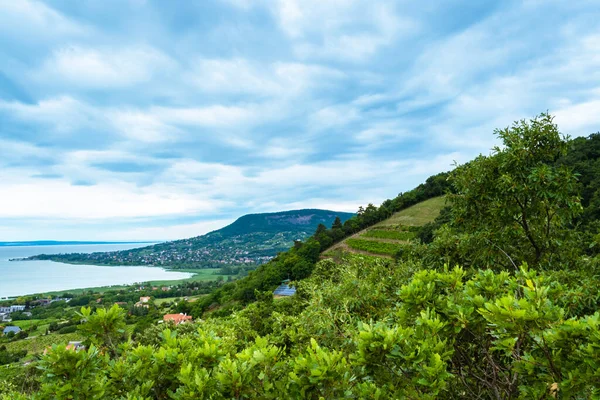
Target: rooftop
{"type": "Point", "coordinates": [285, 290]}
{"type": "Point", "coordinates": [177, 318]}
{"type": "Point", "coordinates": [14, 329]}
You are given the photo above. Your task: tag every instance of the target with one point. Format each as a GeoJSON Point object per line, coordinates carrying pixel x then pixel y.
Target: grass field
{"type": "Point", "coordinates": [200, 275]}
{"type": "Point", "coordinates": [168, 299]}
{"type": "Point", "coordinates": [417, 215]}
{"type": "Point", "coordinates": [42, 325]}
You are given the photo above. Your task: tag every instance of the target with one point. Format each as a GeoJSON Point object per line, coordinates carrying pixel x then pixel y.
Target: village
{"type": "Point", "coordinates": [31, 329]}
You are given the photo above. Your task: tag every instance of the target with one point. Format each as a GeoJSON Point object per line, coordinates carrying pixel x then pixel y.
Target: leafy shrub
{"type": "Point", "coordinates": [67, 329]}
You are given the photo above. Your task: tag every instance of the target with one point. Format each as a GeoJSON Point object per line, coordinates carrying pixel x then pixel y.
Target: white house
{"type": "Point", "coordinates": [10, 309]}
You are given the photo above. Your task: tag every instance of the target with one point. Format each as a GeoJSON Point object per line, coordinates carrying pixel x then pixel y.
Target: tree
{"type": "Point", "coordinates": [105, 328]}
{"type": "Point", "coordinates": [337, 223]}
{"type": "Point", "coordinates": [517, 204]}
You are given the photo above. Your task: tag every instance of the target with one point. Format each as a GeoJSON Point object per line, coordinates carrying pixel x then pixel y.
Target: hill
{"type": "Point", "coordinates": [387, 237]}
{"type": "Point", "coordinates": [251, 240]}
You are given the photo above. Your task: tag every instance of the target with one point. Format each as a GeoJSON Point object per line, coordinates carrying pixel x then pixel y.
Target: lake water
{"type": "Point", "coordinates": [29, 277]}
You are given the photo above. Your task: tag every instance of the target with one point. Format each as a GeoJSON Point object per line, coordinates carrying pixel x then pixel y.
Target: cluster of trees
{"type": "Point", "coordinates": [501, 303]}
{"type": "Point", "coordinates": [7, 357]}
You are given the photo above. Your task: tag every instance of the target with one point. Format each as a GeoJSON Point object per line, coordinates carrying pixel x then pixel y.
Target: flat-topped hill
{"type": "Point", "coordinates": [251, 240]}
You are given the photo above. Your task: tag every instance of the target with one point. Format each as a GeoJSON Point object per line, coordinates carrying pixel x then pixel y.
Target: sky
{"type": "Point", "coordinates": [156, 120]}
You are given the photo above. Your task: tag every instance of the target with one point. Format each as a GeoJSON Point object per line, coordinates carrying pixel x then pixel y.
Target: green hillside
{"type": "Point", "coordinates": [249, 241]}
{"type": "Point", "coordinates": [385, 238]}
{"type": "Point", "coordinates": [417, 215]}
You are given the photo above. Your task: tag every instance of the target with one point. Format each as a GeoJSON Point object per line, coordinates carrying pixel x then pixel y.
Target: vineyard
{"type": "Point", "coordinates": [37, 344]}
{"type": "Point", "coordinates": [374, 247]}
{"type": "Point", "coordinates": [387, 237]}
{"type": "Point", "coordinates": [389, 234]}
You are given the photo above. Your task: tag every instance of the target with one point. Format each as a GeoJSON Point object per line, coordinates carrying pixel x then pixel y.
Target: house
{"type": "Point", "coordinates": [11, 309]}
{"type": "Point", "coordinates": [177, 318]}
{"type": "Point", "coordinates": [13, 329]}
{"type": "Point", "coordinates": [284, 290]}
{"type": "Point", "coordinates": [144, 300]}
{"type": "Point", "coordinates": [165, 288]}
{"type": "Point", "coordinates": [75, 346]}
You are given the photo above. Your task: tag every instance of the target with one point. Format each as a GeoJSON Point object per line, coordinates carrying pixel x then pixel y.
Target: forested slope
{"type": "Point", "coordinates": [497, 300]}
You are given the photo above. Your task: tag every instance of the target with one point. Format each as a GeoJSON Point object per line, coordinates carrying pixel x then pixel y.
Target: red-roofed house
{"type": "Point", "coordinates": [177, 318]}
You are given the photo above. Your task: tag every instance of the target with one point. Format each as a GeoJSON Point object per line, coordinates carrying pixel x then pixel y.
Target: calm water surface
{"type": "Point", "coordinates": [28, 277]}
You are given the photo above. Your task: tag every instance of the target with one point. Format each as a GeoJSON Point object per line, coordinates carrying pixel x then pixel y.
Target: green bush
{"type": "Point", "coordinates": [67, 329]}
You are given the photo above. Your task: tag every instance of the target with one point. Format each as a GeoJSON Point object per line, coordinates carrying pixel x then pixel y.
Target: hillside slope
{"type": "Point", "coordinates": [251, 240]}
{"type": "Point", "coordinates": [385, 238]}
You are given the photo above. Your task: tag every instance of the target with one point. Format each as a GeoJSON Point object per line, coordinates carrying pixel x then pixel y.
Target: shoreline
{"type": "Point", "coordinates": [204, 274]}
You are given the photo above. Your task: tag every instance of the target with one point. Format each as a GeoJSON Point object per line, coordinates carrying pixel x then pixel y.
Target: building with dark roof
{"type": "Point", "coordinates": [285, 289]}
{"type": "Point", "coordinates": [13, 329]}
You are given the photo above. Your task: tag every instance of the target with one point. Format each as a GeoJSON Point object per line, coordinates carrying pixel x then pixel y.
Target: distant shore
{"type": "Point", "coordinates": [67, 243]}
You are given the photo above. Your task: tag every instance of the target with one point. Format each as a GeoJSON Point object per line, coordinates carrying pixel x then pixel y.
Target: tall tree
{"type": "Point", "coordinates": [517, 203]}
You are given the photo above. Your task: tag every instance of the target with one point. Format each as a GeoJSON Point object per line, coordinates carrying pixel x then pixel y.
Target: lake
{"type": "Point", "coordinates": [27, 277]}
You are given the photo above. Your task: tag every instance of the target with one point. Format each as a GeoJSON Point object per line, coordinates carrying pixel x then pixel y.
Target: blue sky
{"type": "Point", "coordinates": [135, 120]}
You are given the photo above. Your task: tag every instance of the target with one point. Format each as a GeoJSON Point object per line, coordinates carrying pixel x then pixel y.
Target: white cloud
{"type": "Point", "coordinates": [381, 130]}
{"type": "Point", "coordinates": [142, 126]}
{"type": "Point", "coordinates": [172, 232]}
{"type": "Point", "coordinates": [240, 76]}
{"type": "Point", "coordinates": [93, 68]}
{"type": "Point", "coordinates": [34, 20]}
{"type": "Point", "coordinates": [39, 198]}
{"type": "Point", "coordinates": [328, 29]}
{"type": "Point", "coordinates": [337, 115]}
{"type": "Point", "coordinates": [63, 114]}
{"type": "Point", "coordinates": [579, 119]}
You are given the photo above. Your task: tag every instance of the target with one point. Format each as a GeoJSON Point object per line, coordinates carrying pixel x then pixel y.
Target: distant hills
{"type": "Point", "coordinates": [249, 241]}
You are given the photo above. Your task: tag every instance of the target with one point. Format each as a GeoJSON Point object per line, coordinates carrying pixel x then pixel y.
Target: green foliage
{"type": "Point", "coordinates": [7, 357]}
{"type": "Point", "coordinates": [360, 329]}
{"type": "Point", "coordinates": [69, 374]}
{"type": "Point", "coordinates": [372, 246]}
{"type": "Point", "coordinates": [517, 205]}
{"type": "Point", "coordinates": [105, 328]}
{"type": "Point", "coordinates": [389, 234]}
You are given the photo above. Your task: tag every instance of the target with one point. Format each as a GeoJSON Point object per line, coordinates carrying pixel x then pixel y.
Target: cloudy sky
{"type": "Point", "coordinates": [135, 120]}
